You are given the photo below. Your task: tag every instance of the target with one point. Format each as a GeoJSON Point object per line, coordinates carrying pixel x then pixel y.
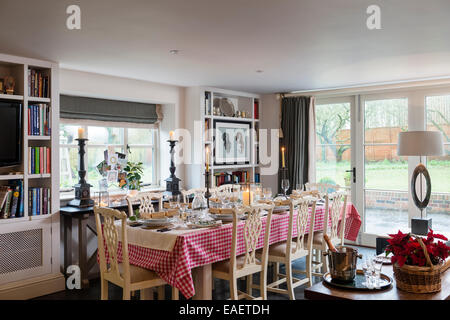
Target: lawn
{"type": "Point", "coordinates": [389, 175]}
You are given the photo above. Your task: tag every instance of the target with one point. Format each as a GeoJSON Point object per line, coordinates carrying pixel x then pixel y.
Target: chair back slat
{"type": "Point", "coordinates": [335, 205]}
{"type": "Point", "coordinates": [193, 191]}
{"type": "Point", "coordinates": [145, 202]}
{"type": "Point", "coordinates": [109, 236]}
{"type": "Point", "coordinates": [300, 222]}
{"type": "Point", "coordinates": [323, 188]}
{"type": "Point", "coordinates": [251, 232]}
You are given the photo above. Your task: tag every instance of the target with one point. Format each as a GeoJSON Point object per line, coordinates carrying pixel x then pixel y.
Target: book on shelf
{"type": "Point", "coordinates": [39, 201]}
{"type": "Point", "coordinates": [39, 160]}
{"type": "Point", "coordinates": [11, 200]}
{"type": "Point", "coordinates": [208, 103]}
{"type": "Point", "coordinates": [39, 123]}
{"type": "Point", "coordinates": [38, 84]}
{"type": "Point", "coordinates": [256, 109]}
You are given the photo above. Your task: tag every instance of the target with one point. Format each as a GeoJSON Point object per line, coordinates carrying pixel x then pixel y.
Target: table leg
{"type": "Point", "coordinates": [82, 250]}
{"type": "Point", "coordinates": [67, 242]}
{"type": "Point", "coordinates": [203, 282]}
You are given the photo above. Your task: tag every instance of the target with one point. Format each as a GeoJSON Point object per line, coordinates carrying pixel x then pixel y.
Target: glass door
{"type": "Point", "coordinates": [383, 196]}
{"type": "Point", "coordinates": [334, 136]}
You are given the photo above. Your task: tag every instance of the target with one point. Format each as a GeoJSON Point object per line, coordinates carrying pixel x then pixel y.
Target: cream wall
{"type": "Point", "coordinates": [270, 119]}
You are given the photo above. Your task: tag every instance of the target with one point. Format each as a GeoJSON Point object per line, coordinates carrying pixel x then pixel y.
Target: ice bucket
{"type": "Point", "coordinates": [342, 264]}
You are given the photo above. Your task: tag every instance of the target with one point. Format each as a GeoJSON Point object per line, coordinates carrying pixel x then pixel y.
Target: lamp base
{"type": "Point", "coordinates": [420, 226]}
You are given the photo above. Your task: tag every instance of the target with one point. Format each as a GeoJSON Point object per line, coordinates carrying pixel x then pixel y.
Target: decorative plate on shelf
{"type": "Point", "coordinates": [227, 107]}
{"type": "Point", "coordinates": [359, 282]}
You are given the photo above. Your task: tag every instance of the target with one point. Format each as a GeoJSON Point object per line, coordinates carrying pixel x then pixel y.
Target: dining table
{"type": "Point", "coordinates": [183, 257]}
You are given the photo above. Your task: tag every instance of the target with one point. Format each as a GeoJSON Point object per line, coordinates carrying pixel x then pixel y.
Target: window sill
{"type": "Point", "coordinates": [67, 196]}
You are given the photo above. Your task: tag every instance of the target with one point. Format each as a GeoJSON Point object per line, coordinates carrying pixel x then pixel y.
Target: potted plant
{"type": "Point", "coordinates": [134, 171]}
{"type": "Point", "coordinates": [418, 262]}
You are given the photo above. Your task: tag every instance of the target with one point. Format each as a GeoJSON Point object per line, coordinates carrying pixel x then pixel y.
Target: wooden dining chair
{"type": "Point", "coordinates": [336, 203]}
{"type": "Point", "coordinates": [193, 191]}
{"type": "Point", "coordinates": [129, 277]}
{"type": "Point", "coordinates": [145, 202]}
{"type": "Point", "coordinates": [295, 247]}
{"type": "Point", "coordinates": [247, 264]}
{"type": "Point", "coordinates": [323, 188]}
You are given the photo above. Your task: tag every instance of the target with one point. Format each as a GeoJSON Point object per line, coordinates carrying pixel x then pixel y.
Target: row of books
{"type": "Point", "coordinates": [38, 201]}
{"type": "Point", "coordinates": [38, 84]}
{"type": "Point", "coordinates": [39, 123]}
{"type": "Point", "coordinates": [39, 160]}
{"type": "Point", "coordinates": [234, 177]}
{"type": "Point", "coordinates": [208, 103]}
{"type": "Point", "coordinates": [11, 200]}
{"type": "Point", "coordinates": [256, 109]}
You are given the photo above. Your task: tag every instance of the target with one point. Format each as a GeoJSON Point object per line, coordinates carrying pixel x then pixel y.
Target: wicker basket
{"type": "Point", "coordinates": [416, 279]}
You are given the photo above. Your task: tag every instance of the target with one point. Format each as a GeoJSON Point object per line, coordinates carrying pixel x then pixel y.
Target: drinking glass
{"type": "Point", "coordinates": [267, 193]}
{"type": "Point", "coordinates": [299, 187]}
{"type": "Point", "coordinates": [367, 267]}
{"type": "Point", "coordinates": [285, 186]}
{"type": "Point", "coordinates": [377, 264]}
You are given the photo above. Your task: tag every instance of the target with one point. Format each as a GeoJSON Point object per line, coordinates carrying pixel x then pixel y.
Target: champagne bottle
{"type": "Point", "coordinates": [329, 243]}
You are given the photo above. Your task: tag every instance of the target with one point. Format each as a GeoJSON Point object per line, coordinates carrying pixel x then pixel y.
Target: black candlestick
{"type": "Point", "coordinates": [207, 194]}
{"type": "Point", "coordinates": [82, 189]}
{"type": "Point", "coordinates": [172, 183]}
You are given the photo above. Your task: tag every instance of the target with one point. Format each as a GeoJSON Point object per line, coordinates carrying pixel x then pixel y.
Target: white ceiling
{"type": "Point", "coordinates": [307, 44]}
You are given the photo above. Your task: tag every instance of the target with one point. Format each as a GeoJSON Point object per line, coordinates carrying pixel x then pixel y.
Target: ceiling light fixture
{"type": "Point", "coordinates": [259, 71]}
{"type": "Point", "coordinates": [174, 51]}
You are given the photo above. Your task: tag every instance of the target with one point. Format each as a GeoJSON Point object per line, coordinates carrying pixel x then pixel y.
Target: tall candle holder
{"type": "Point", "coordinates": [172, 183]}
{"type": "Point", "coordinates": [207, 193]}
{"type": "Point", "coordinates": [82, 189]}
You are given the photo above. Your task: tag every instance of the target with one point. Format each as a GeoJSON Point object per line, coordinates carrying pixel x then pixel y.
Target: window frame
{"type": "Point", "coordinates": [155, 146]}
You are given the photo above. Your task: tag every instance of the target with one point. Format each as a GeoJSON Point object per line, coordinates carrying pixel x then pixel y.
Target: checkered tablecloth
{"type": "Point", "coordinates": [207, 246]}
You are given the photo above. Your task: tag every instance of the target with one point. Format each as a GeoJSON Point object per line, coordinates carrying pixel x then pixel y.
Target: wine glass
{"type": "Point", "coordinates": [285, 186]}
{"type": "Point", "coordinates": [377, 264]}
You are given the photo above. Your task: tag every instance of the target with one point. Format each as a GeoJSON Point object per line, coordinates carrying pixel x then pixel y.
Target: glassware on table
{"type": "Point", "coordinates": [285, 186]}
{"type": "Point", "coordinates": [267, 192]}
{"type": "Point", "coordinates": [367, 267]}
{"type": "Point", "coordinates": [299, 187]}
{"type": "Point", "coordinates": [377, 265]}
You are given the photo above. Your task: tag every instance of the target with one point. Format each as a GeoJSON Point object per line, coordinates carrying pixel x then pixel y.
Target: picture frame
{"type": "Point", "coordinates": [232, 142]}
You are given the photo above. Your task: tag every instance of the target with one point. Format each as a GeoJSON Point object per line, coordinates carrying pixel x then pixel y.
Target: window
{"type": "Point", "coordinates": [438, 119]}
{"type": "Point", "coordinates": [138, 143]}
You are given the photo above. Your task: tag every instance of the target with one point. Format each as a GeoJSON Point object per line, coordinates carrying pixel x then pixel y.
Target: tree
{"type": "Point", "coordinates": [330, 120]}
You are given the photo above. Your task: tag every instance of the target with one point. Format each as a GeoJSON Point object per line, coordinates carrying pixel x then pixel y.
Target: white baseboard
{"type": "Point", "coordinates": [32, 288]}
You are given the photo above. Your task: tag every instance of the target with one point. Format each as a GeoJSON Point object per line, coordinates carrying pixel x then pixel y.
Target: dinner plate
{"type": "Point", "coordinates": [216, 224]}
{"type": "Point", "coordinates": [153, 222]}
{"type": "Point", "coordinates": [280, 209]}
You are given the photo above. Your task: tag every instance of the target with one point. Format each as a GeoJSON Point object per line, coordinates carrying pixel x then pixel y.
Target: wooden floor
{"type": "Point", "coordinates": [221, 291]}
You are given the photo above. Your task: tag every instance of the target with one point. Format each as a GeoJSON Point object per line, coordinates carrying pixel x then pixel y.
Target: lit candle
{"type": "Point", "coordinates": [246, 197]}
{"type": "Point", "coordinates": [80, 133]}
{"type": "Point", "coordinates": [207, 158]}
{"type": "Point", "coordinates": [282, 157]}
{"type": "Point", "coordinates": [171, 133]}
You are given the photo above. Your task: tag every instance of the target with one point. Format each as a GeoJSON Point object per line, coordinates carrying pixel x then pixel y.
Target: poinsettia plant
{"type": "Point", "coordinates": [406, 249]}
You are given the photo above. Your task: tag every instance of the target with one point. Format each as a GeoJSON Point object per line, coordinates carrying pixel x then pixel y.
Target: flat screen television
{"type": "Point", "coordinates": [10, 134]}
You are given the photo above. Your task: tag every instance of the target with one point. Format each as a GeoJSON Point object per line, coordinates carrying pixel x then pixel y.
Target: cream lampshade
{"type": "Point", "coordinates": [420, 143]}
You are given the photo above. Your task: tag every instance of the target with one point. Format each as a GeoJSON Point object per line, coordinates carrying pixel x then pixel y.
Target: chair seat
{"type": "Point", "coordinates": [224, 266]}
{"type": "Point", "coordinates": [317, 239]}
{"type": "Point", "coordinates": [138, 274]}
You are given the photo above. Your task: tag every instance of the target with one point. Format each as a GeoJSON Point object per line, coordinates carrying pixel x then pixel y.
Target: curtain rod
{"type": "Point", "coordinates": [445, 81]}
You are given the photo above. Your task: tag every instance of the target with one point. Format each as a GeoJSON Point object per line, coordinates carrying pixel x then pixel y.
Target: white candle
{"type": "Point", "coordinates": [80, 133]}
{"type": "Point", "coordinates": [171, 133]}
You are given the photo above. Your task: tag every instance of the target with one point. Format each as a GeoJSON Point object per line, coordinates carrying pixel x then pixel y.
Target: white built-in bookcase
{"type": "Point", "coordinates": [197, 117]}
{"type": "Point", "coordinates": [30, 245]}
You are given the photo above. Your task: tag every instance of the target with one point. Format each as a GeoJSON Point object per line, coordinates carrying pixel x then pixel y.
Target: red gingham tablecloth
{"type": "Point", "coordinates": [206, 246]}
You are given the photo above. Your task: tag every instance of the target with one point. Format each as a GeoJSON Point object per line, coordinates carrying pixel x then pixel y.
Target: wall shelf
{"type": "Point", "coordinates": [10, 97]}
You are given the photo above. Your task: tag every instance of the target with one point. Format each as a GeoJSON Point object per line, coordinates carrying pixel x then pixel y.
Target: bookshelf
{"type": "Point", "coordinates": [200, 120]}
{"type": "Point", "coordinates": [30, 243]}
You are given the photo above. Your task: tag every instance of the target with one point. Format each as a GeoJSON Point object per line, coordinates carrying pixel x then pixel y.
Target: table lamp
{"type": "Point", "coordinates": [420, 143]}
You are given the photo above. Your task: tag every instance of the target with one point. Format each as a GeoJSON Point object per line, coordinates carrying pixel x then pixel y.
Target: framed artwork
{"type": "Point", "coordinates": [231, 142]}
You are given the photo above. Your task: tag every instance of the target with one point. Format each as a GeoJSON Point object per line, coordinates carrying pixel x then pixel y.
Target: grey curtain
{"type": "Point", "coordinates": [72, 107]}
{"type": "Point", "coordinates": [295, 125]}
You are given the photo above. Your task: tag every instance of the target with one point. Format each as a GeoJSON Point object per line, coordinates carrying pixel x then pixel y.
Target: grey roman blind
{"type": "Point", "coordinates": [72, 107]}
